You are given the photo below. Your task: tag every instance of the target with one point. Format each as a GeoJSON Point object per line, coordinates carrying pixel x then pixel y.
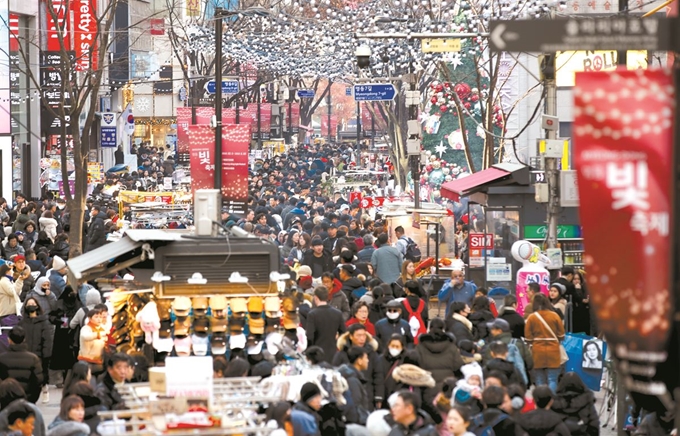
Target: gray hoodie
{"type": "Point", "coordinates": [47, 302]}
{"type": "Point", "coordinates": [92, 298]}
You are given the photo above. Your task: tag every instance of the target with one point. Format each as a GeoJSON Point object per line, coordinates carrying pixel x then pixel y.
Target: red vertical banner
{"type": "Point", "coordinates": [294, 117]}
{"type": "Point", "coordinates": [235, 147]}
{"type": "Point", "coordinates": [13, 32]}
{"type": "Point", "coordinates": [85, 33]}
{"type": "Point", "coordinates": [62, 15]}
{"type": "Point", "coordinates": [202, 157]}
{"type": "Point", "coordinates": [183, 122]}
{"type": "Point", "coordinates": [228, 115]}
{"type": "Point", "coordinates": [324, 125]}
{"type": "Point", "coordinates": [623, 139]}
{"type": "Point", "coordinates": [204, 114]}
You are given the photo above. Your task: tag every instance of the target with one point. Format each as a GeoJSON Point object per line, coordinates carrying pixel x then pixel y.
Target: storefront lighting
{"type": "Point", "coordinates": [197, 279]}
{"type": "Point", "coordinates": [236, 277]}
{"type": "Point", "coordinates": [159, 277]}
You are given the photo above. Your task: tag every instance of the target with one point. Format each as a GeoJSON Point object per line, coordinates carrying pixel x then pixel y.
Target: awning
{"type": "Point", "coordinates": [496, 175]}
{"type": "Point", "coordinates": [78, 266]}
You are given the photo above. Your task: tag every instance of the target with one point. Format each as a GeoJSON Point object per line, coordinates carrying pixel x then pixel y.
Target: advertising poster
{"type": "Point", "coordinates": [623, 141]}
{"type": "Point", "coordinates": [334, 125]}
{"type": "Point", "coordinates": [183, 121]}
{"type": "Point", "coordinates": [294, 117]}
{"type": "Point", "coordinates": [85, 33]}
{"type": "Point", "coordinates": [235, 147]}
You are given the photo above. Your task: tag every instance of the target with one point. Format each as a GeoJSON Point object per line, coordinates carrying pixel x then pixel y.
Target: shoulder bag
{"type": "Point", "coordinates": [564, 357]}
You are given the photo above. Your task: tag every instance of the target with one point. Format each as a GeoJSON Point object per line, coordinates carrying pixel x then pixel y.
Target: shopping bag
{"type": "Point", "coordinates": [586, 358]}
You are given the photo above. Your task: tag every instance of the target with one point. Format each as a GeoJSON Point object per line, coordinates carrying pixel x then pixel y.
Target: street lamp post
{"type": "Point", "coordinates": [219, 13]}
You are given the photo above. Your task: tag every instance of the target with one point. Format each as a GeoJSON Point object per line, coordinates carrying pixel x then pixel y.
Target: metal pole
{"type": "Point", "coordinates": [329, 112]}
{"type": "Point", "coordinates": [373, 129]}
{"type": "Point", "coordinates": [238, 76]}
{"type": "Point", "coordinates": [218, 98]}
{"type": "Point", "coordinates": [551, 164]}
{"type": "Point", "coordinates": [290, 120]}
{"type": "Point", "coordinates": [358, 126]}
{"type": "Point", "coordinates": [259, 122]}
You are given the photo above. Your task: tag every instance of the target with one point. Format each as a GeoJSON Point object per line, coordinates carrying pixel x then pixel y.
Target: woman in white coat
{"type": "Point", "coordinates": [49, 225]}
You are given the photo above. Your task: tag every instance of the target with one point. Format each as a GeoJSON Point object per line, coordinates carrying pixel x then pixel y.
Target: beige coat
{"type": "Point", "coordinates": [545, 349]}
{"type": "Point", "coordinates": [9, 295]}
{"type": "Point", "coordinates": [92, 343]}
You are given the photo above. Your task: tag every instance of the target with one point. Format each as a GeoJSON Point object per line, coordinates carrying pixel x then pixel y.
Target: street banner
{"type": "Point", "coordinates": [294, 117]}
{"type": "Point", "coordinates": [235, 146]}
{"type": "Point", "coordinates": [183, 122]}
{"type": "Point", "coordinates": [108, 130]}
{"type": "Point", "coordinates": [624, 155]}
{"type": "Point", "coordinates": [85, 33]}
{"type": "Point", "coordinates": [334, 125]}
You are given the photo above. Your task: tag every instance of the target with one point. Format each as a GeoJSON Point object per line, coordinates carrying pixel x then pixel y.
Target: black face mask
{"type": "Point", "coordinates": [31, 309]}
{"type": "Point", "coordinates": [70, 298]}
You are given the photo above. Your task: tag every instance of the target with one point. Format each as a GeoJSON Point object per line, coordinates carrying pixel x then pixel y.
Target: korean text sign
{"type": "Point", "coordinates": [623, 142]}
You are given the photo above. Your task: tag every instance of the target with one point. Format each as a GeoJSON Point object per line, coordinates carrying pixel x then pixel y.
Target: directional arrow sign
{"type": "Point", "coordinates": [375, 92]}
{"type": "Point", "coordinates": [603, 33]}
{"type": "Point", "coordinates": [305, 93]}
{"type": "Point", "coordinates": [228, 87]}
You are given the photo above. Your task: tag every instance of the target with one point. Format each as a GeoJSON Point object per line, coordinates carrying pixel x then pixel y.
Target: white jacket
{"type": "Point", "coordinates": [49, 225]}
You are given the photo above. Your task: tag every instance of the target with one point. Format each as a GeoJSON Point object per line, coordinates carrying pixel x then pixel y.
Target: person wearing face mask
{"type": "Point", "coordinates": [68, 305]}
{"type": "Point", "coordinates": [38, 337]}
{"type": "Point", "coordinates": [392, 324]}
{"type": "Point", "coordinates": [392, 357]}
{"type": "Point", "coordinates": [43, 295]}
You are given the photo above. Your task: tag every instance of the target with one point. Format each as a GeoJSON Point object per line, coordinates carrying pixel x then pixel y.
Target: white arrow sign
{"type": "Point", "coordinates": [498, 34]}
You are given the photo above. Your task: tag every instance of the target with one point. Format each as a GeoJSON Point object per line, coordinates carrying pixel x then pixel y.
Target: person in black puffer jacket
{"type": "Point", "coordinates": [38, 330]}
{"type": "Point", "coordinates": [22, 365]}
{"type": "Point", "coordinates": [480, 316]}
{"type": "Point", "coordinates": [576, 403]}
{"type": "Point", "coordinates": [459, 324]}
{"type": "Point", "coordinates": [61, 246]}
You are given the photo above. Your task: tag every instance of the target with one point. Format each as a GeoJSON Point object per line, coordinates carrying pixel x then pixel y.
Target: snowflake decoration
{"type": "Point", "coordinates": [456, 61]}
{"type": "Point", "coordinates": [142, 104]}
{"type": "Point", "coordinates": [441, 149]}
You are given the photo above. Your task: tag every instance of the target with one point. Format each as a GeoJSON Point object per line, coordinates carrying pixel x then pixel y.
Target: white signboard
{"type": "Point", "coordinates": [498, 272]}
{"type": "Point", "coordinates": [190, 376]}
{"type": "Point", "coordinates": [568, 189]}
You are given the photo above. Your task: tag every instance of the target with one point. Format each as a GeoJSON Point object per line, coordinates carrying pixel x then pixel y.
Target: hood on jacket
{"type": "Point", "coordinates": [38, 285]}
{"type": "Point", "coordinates": [348, 371]}
{"type": "Point", "coordinates": [436, 343]}
{"type": "Point", "coordinates": [44, 221]}
{"type": "Point", "coordinates": [413, 375]}
{"type": "Point", "coordinates": [343, 341]}
{"type": "Point", "coordinates": [351, 284]}
{"type": "Point", "coordinates": [540, 422]}
{"type": "Point", "coordinates": [67, 428]}
{"type": "Point", "coordinates": [93, 297]}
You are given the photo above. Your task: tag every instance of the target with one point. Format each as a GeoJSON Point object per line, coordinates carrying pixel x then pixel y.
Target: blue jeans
{"type": "Point", "coordinates": [547, 376]}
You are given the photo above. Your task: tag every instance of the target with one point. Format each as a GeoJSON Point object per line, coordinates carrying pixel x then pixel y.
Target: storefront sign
{"type": "Point", "coordinates": [85, 33]}
{"type": "Point", "coordinates": [568, 63]}
{"type": "Point", "coordinates": [58, 8]}
{"type": "Point", "coordinates": [71, 185]}
{"type": "Point", "coordinates": [95, 172]}
{"type": "Point", "coordinates": [540, 232]}
{"type": "Point", "coordinates": [146, 197]}
{"type": "Point", "coordinates": [189, 376]}
{"type": "Point", "coordinates": [480, 240]}
{"type": "Point", "coordinates": [623, 132]}
{"type": "Point", "coordinates": [498, 272]}
{"type": "Point", "coordinates": [108, 130]}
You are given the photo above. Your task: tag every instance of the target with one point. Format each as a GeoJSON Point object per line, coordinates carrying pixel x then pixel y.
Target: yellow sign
{"type": "Point", "coordinates": [440, 45]}
{"type": "Point", "coordinates": [570, 62]}
{"type": "Point", "coordinates": [565, 153]}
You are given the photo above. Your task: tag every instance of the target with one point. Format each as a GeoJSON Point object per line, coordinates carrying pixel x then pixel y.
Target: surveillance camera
{"type": "Point", "coordinates": [363, 54]}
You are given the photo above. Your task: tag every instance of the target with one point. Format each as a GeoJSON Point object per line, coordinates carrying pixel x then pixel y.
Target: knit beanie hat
{"type": "Point", "coordinates": [308, 391]}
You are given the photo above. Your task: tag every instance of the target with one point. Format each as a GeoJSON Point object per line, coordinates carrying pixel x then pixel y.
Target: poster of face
{"type": "Point", "coordinates": [592, 354]}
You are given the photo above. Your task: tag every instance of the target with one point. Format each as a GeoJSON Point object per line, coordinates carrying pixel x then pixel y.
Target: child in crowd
{"type": "Point", "coordinates": [468, 391]}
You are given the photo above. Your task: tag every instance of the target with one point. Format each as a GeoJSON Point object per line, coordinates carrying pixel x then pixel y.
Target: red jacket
{"type": "Point", "coordinates": [370, 328]}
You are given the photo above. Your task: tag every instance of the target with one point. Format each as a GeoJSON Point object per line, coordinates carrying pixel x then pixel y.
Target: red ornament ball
{"type": "Point", "coordinates": [467, 105]}
{"type": "Point", "coordinates": [434, 100]}
{"type": "Point", "coordinates": [428, 168]}
{"type": "Point", "coordinates": [474, 97]}
{"type": "Point", "coordinates": [439, 88]}
{"type": "Point", "coordinates": [443, 108]}
{"type": "Point", "coordinates": [463, 90]}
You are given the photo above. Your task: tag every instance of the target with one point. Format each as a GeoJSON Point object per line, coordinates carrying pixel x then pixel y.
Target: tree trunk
{"type": "Point", "coordinates": [77, 204]}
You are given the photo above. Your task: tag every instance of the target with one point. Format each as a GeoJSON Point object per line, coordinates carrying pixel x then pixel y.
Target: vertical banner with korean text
{"type": "Point", "coordinates": [202, 156]}
{"type": "Point", "coordinates": [324, 125]}
{"type": "Point", "coordinates": [183, 122]}
{"type": "Point", "coordinates": [623, 153]}
{"type": "Point", "coordinates": [58, 7]}
{"type": "Point", "coordinates": [235, 147]}
{"type": "Point", "coordinates": [294, 117]}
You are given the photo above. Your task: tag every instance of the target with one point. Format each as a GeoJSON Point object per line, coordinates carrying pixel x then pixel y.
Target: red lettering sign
{"type": "Point", "coordinates": [481, 240]}
{"type": "Point", "coordinates": [366, 202]}
{"type": "Point", "coordinates": [58, 8]}
{"type": "Point", "coordinates": [13, 32]}
{"type": "Point", "coordinates": [354, 196]}
{"type": "Point", "coordinates": [85, 33]}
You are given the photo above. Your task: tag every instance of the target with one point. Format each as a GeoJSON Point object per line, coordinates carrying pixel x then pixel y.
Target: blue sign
{"type": "Point", "coordinates": [228, 87]}
{"type": "Point", "coordinates": [348, 92]}
{"type": "Point", "coordinates": [375, 92]}
{"type": "Point", "coordinates": [109, 137]}
{"type": "Point", "coordinates": [305, 93]}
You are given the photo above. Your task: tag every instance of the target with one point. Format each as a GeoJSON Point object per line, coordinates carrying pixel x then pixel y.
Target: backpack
{"type": "Point", "coordinates": [479, 428]}
{"type": "Point", "coordinates": [515, 357]}
{"type": "Point", "coordinates": [415, 319]}
{"type": "Point", "coordinates": [412, 251]}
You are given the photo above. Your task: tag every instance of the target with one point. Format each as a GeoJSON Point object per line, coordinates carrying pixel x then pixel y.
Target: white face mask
{"type": "Point", "coordinates": [393, 315]}
{"type": "Point", "coordinates": [394, 352]}
{"type": "Point", "coordinates": [60, 206]}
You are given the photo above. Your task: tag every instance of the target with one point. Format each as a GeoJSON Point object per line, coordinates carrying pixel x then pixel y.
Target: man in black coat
{"type": "Point", "coordinates": [22, 365]}
{"type": "Point", "coordinates": [324, 323]}
{"type": "Point", "coordinates": [514, 319]}
{"type": "Point", "coordinates": [318, 259]}
{"type": "Point", "coordinates": [96, 233]}
{"type": "Point", "coordinates": [374, 374]}
{"type": "Point", "coordinates": [356, 412]}
{"type": "Point", "coordinates": [117, 370]}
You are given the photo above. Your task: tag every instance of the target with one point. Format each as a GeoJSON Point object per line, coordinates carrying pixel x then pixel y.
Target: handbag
{"type": "Point", "coordinates": [564, 357]}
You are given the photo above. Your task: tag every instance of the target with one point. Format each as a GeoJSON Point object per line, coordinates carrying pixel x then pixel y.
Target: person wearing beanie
{"type": "Point", "coordinates": [305, 414]}
{"type": "Point", "coordinates": [56, 276]}
{"type": "Point", "coordinates": [543, 421]}
{"type": "Point", "coordinates": [556, 294]}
